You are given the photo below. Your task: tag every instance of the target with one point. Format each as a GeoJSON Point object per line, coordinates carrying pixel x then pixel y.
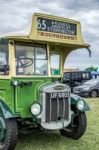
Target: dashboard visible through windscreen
{"type": "Point", "coordinates": [31, 59]}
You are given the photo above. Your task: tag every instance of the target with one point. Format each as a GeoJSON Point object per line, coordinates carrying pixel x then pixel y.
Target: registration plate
{"type": "Point", "coordinates": [59, 95]}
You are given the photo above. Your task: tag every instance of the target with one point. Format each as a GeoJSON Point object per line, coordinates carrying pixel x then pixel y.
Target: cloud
{"type": "Point", "coordinates": [16, 15]}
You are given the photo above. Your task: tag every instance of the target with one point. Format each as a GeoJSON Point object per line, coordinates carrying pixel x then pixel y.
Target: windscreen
{"type": "Point", "coordinates": [31, 59]}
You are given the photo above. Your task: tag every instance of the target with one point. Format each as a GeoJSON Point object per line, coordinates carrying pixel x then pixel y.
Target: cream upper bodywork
{"type": "Point", "coordinates": [55, 41]}
{"type": "Point", "coordinates": [34, 34]}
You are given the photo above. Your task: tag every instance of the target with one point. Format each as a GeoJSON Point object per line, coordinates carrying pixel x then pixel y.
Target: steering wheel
{"type": "Point", "coordinates": [29, 62]}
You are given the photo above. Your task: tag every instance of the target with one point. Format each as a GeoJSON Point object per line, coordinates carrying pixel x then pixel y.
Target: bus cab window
{"type": "Point", "coordinates": [41, 61]}
{"type": "Point", "coordinates": [31, 59]}
{"type": "Point", "coordinates": [4, 59]}
{"type": "Point", "coordinates": [55, 64]}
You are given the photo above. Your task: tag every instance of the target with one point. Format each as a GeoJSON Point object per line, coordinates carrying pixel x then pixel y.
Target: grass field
{"type": "Point", "coordinates": [54, 141]}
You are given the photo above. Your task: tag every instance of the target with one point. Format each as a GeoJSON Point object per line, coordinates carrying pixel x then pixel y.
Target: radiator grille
{"type": "Point", "coordinates": [56, 108]}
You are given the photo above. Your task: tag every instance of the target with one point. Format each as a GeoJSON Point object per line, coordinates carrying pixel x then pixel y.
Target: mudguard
{"type": "Point", "coordinates": [5, 111]}
{"type": "Point", "coordinates": [76, 98]}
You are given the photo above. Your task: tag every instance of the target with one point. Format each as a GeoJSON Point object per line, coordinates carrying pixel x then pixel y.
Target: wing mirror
{"type": "Point", "coordinates": [89, 51]}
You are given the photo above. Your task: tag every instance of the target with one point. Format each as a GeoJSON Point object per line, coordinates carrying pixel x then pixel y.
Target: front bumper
{"type": "Point", "coordinates": [55, 125]}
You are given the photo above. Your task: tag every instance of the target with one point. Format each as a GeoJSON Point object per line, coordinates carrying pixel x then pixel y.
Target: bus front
{"type": "Point", "coordinates": [33, 88]}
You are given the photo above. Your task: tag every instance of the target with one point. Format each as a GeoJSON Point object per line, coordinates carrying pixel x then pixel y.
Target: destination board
{"type": "Point", "coordinates": [55, 26]}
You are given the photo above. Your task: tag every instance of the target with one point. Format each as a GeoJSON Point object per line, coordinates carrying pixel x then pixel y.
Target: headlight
{"type": "Point", "coordinates": [80, 104]}
{"type": "Point", "coordinates": [35, 109]}
{"type": "Point", "coordinates": [15, 83]}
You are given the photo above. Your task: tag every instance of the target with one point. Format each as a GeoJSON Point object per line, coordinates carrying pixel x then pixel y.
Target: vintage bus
{"type": "Point", "coordinates": [32, 92]}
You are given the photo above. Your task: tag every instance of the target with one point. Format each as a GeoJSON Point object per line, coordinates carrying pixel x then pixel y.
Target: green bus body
{"type": "Point", "coordinates": [19, 99]}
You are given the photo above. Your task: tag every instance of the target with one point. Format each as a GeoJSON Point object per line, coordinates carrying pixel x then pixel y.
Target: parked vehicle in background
{"type": "Point", "coordinates": [76, 78]}
{"type": "Point", "coordinates": [89, 88]}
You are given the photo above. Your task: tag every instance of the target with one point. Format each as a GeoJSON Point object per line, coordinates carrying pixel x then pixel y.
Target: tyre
{"type": "Point", "coordinates": [93, 94]}
{"type": "Point", "coordinates": [10, 134]}
{"type": "Point", "coordinates": [78, 129]}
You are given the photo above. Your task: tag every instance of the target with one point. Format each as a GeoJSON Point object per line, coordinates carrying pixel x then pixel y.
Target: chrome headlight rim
{"type": "Point", "coordinates": [40, 108]}
{"type": "Point", "coordinates": [80, 104]}
{"type": "Point", "coordinates": [15, 82]}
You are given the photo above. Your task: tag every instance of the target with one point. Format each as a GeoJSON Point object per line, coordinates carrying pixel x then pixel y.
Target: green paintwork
{"type": "Point", "coordinates": [26, 95]}
{"type": "Point", "coordinates": [16, 101]}
{"type": "Point", "coordinates": [7, 93]}
{"type": "Point", "coordinates": [19, 99]}
{"type": "Point", "coordinates": [55, 72]}
{"type": "Point", "coordinates": [76, 98]}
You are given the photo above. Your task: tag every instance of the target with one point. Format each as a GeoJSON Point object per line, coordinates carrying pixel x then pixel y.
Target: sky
{"type": "Point", "coordinates": [16, 16]}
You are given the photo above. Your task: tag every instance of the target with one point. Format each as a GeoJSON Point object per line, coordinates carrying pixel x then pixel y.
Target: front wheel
{"type": "Point", "coordinates": [93, 94]}
{"type": "Point", "coordinates": [8, 135]}
{"type": "Point", "coordinates": [78, 128]}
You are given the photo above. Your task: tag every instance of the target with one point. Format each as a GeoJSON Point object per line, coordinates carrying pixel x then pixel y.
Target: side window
{"type": "Point", "coordinates": [4, 58]}
{"type": "Point", "coordinates": [86, 75]}
{"type": "Point", "coordinates": [40, 61]}
{"type": "Point", "coordinates": [74, 75]}
{"type": "Point", "coordinates": [79, 75]}
{"type": "Point", "coordinates": [55, 64]}
{"type": "Point", "coordinates": [67, 75]}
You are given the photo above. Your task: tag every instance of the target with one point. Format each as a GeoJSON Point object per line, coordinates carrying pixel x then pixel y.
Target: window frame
{"type": "Point", "coordinates": [35, 46]}
{"type": "Point", "coordinates": [57, 53]}
{"type": "Point", "coordinates": [6, 42]}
